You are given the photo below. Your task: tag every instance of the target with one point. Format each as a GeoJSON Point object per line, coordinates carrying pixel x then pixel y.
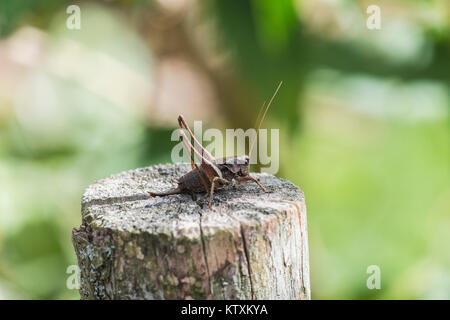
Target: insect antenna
{"type": "Point", "coordinates": [254, 126]}
{"type": "Point", "coordinates": [259, 114]}
{"type": "Point", "coordinates": [263, 116]}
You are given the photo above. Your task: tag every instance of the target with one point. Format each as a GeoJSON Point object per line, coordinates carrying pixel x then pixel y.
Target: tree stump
{"type": "Point", "coordinates": [250, 245]}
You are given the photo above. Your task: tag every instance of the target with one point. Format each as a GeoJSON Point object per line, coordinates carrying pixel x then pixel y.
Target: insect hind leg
{"type": "Point", "coordinates": [213, 184]}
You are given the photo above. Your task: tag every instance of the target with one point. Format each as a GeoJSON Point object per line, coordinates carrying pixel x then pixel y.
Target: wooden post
{"type": "Point", "coordinates": [250, 245]}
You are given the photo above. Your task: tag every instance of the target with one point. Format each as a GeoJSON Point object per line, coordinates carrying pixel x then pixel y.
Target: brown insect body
{"type": "Point", "coordinates": [191, 182]}
{"type": "Point", "coordinates": [210, 173]}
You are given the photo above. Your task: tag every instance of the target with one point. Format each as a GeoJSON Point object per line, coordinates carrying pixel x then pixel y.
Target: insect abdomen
{"type": "Point", "coordinates": [192, 182]}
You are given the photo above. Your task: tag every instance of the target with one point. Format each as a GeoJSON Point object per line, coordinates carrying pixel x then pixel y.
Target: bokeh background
{"type": "Point", "coordinates": [363, 117]}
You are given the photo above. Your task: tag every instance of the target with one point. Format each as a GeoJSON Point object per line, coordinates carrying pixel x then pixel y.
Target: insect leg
{"type": "Point", "coordinates": [249, 177]}
{"type": "Point", "coordinates": [209, 168]}
{"type": "Point", "coordinates": [213, 184]}
{"type": "Point", "coordinates": [188, 147]}
{"type": "Point", "coordinates": [167, 193]}
{"type": "Point", "coordinates": [205, 154]}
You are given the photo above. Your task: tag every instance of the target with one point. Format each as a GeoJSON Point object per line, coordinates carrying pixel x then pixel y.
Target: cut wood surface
{"type": "Point", "coordinates": [249, 245]}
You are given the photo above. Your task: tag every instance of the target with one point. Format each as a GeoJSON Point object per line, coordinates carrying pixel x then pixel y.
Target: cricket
{"type": "Point", "coordinates": [211, 173]}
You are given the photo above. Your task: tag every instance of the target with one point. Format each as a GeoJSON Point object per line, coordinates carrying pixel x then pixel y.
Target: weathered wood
{"type": "Point", "coordinates": [250, 245]}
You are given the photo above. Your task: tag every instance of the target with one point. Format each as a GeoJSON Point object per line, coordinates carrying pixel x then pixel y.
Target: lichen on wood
{"type": "Point", "coordinates": [250, 245]}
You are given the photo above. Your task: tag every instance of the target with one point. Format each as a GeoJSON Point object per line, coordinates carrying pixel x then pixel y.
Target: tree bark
{"type": "Point", "coordinates": [250, 245]}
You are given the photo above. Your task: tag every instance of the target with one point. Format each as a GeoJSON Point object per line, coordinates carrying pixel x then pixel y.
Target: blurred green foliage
{"type": "Point", "coordinates": [363, 117]}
